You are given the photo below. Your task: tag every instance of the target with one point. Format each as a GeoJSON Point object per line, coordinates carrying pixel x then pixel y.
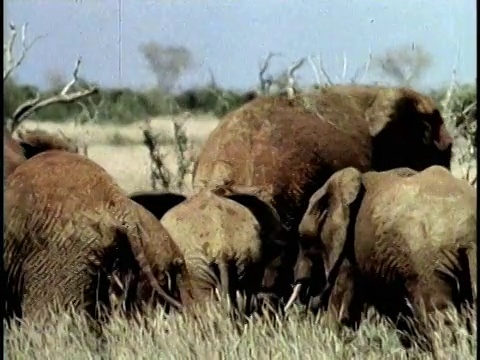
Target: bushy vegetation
{"type": "Point", "coordinates": [211, 334]}
{"type": "Point", "coordinates": [126, 106]}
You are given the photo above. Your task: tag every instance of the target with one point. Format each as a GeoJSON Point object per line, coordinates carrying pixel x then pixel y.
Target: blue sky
{"type": "Point", "coordinates": [231, 37]}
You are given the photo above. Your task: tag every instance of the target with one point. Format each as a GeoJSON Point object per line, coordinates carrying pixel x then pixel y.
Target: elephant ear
{"type": "Point", "coordinates": [265, 214]}
{"type": "Point", "coordinates": [157, 202]}
{"type": "Point", "coordinates": [344, 192]}
{"type": "Point", "coordinates": [379, 113]}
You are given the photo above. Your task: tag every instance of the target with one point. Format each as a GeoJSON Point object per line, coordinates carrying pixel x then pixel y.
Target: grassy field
{"type": "Point", "coordinates": [211, 335]}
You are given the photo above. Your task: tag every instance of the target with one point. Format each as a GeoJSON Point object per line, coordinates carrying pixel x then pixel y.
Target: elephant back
{"type": "Point", "coordinates": [219, 226]}
{"type": "Point", "coordinates": [287, 146]}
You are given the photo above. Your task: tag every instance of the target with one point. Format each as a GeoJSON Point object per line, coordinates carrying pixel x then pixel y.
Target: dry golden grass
{"type": "Point", "coordinates": [212, 335]}
{"type": "Point", "coordinates": [120, 151]}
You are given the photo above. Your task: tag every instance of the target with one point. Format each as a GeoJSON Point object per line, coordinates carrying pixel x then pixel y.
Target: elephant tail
{"type": "Point", "coordinates": [139, 253]}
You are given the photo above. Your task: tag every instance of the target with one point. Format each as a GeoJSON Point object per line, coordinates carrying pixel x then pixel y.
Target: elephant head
{"type": "Point", "coordinates": [410, 127]}
{"type": "Point", "coordinates": [255, 199]}
{"type": "Point", "coordinates": [271, 229]}
{"type": "Point", "coordinates": [326, 228]}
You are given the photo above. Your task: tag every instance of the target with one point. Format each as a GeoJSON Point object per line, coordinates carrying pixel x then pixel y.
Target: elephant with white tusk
{"type": "Point", "coordinates": [400, 240]}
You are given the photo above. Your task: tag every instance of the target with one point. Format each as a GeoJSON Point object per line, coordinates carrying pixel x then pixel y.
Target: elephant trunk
{"type": "Point", "coordinates": [302, 277]}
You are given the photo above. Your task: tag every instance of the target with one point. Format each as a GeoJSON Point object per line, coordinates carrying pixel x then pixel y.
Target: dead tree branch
{"type": "Point", "coordinates": [266, 83]}
{"type": "Point", "coordinates": [10, 63]}
{"type": "Point", "coordinates": [345, 66]}
{"type": "Point", "coordinates": [30, 106]}
{"type": "Point", "coordinates": [89, 115]}
{"type": "Point", "coordinates": [183, 151]}
{"type": "Point", "coordinates": [319, 70]}
{"type": "Point", "coordinates": [158, 166]}
{"type": "Point", "coordinates": [291, 77]}
{"type": "Point", "coordinates": [362, 71]}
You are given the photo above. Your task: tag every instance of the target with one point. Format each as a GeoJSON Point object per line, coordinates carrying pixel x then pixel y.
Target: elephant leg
{"type": "Point", "coordinates": [252, 285]}
{"type": "Point", "coordinates": [224, 277]}
{"type": "Point", "coordinates": [229, 280]}
{"type": "Point", "coordinates": [413, 326]}
{"type": "Point", "coordinates": [353, 303]}
{"type": "Point", "coordinates": [465, 287]}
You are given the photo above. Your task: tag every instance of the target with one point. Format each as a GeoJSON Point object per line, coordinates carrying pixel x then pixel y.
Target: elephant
{"type": "Point", "coordinates": [72, 237]}
{"type": "Point", "coordinates": [292, 146]}
{"type": "Point", "coordinates": [240, 237]}
{"type": "Point", "coordinates": [402, 241]}
{"type": "Point", "coordinates": [29, 144]}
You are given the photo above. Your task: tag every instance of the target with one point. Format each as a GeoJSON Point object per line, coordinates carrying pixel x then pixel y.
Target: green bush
{"type": "Point", "coordinates": [124, 105]}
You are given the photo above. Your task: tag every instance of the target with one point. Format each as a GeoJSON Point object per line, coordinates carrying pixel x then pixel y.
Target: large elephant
{"type": "Point", "coordinates": [240, 236]}
{"type": "Point", "coordinates": [292, 146]}
{"type": "Point", "coordinates": [72, 236]}
{"type": "Point", "coordinates": [29, 144]}
{"type": "Point", "coordinates": [400, 240]}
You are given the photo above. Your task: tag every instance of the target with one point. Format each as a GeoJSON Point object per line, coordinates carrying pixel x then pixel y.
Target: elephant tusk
{"type": "Point", "coordinates": [294, 296]}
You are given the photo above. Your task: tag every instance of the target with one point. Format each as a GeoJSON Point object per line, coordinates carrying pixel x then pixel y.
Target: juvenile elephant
{"type": "Point", "coordinates": [400, 240]}
{"type": "Point", "coordinates": [292, 146]}
{"type": "Point", "coordinates": [73, 237]}
{"type": "Point", "coordinates": [241, 237]}
{"type": "Point", "coordinates": [29, 144]}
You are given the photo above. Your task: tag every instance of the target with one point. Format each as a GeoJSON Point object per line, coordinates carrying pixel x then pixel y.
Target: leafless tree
{"type": "Point", "coordinates": [322, 77]}
{"type": "Point", "coordinates": [90, 114]}
{"type": "Point", "coordinates": [286, 81]}
{"type": "Point", "coordinates": [29, 107]}
{"type": "Point", "coordinates": [266, 82]}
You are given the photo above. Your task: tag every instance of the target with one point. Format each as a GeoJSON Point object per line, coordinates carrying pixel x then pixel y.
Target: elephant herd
{"type": "Point", "coordinates": [340, 199]}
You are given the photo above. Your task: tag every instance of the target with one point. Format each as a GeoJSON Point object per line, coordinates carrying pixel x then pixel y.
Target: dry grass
{"type": "Point", "coordinates": [120, 151]}
{"type": "Point", "coordinates": [212, 335]}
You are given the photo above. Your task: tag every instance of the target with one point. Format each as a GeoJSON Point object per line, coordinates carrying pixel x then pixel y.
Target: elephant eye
{"type": "Point", "coordinates": [427, 133]}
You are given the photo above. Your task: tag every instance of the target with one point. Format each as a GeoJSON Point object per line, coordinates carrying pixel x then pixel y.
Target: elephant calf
{"type": "Point", "coordinates": [239, 235]}
{"type": "Point", "coordinates": [399, 240]}
{"type": "Point", "coordinates": [72, 236]}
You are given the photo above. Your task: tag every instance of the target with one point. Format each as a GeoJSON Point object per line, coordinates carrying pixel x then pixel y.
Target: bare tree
{"type": "Point", "coordinates": [405, 64]}
{"type": "Point", "coordinates": [90, 114]}
{"type": "Point", "coordinates": [322, 77]}
{"type": "Point", "coordinates": [29, 107]}
{"type": "Point", "coordinates": [287, 81]}
{"type": "Point", "coordinates": [168, 63]}
{"type": "Point", "coordinates": [266, 82]}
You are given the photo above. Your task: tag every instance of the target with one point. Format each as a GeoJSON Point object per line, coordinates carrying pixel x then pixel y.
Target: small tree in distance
{"type": "Point", "coordinates": [167, 63]}
{"type": "Point", "coordinates": [405, 64]}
